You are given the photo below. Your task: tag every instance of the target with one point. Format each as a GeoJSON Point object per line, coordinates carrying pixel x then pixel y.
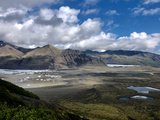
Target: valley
{"type": "Point", "coordinates": [94, 92]}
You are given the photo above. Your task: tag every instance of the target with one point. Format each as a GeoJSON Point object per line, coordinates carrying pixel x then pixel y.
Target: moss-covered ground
{"type": "Point", "coordinates": [102, 102]}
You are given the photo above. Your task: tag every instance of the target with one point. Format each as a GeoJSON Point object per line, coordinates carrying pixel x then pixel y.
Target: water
{"type": "Point", "coordinates": [141, 97]}
{"type": "Point", "coordinates": [123, 66]}
{"type": "Point", "coordinates": [124, 99]}
{"type": "Point", "coordinates": [145, 90]}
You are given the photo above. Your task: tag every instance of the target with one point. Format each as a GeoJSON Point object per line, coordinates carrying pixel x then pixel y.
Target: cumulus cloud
{"type": "Point", "coordinates": [112, 12]}
{"type": "Point", "coordinates": [60, 27]}
{"type": "Point", "coordinates": [12, 14]}
{"type": "Point", "coordinates": [151, 1]}
{"type": "Point", "coordinates": [53, 21]}
{"type": "Point", "coordinates": [140, 41]}
{"type": "Point", "coordinates": [98, 42]}
{"type": "Point", "coordinates": [47, 17]}
{"type": "Point", "coordinates": [68, 15]}
{"type": "Point", "coordinates": [136, 41]}
{"type": "Point", "coordinates": [49, 27]}
{"type": "Point", "coordinates": [27, 3]}
{"type": "Point", "coordinates": [46, 14]}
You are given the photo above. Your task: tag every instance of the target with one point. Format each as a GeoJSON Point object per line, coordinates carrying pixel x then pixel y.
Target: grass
{"type": "Point", "coordinates": [26, 113]}
{"type": "Point", "coordinates": [95, 111]}
{"type": "Point", "coordinates": [102, 101]}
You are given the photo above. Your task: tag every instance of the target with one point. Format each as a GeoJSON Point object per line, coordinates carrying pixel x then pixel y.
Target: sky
{"type": "Point", "coordinates": [96, 25]}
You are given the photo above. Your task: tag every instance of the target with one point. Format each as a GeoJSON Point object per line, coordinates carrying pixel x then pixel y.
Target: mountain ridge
{"type": "Point", "coordinates": [46, 57]}
{"type": "Point", "coordinates": [50, 57]}
{"type": "Point", "coordinates": [126, 57]}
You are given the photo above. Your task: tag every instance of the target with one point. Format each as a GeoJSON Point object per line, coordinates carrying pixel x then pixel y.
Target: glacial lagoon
{"type": "Point", "coordinates": [145, 90]}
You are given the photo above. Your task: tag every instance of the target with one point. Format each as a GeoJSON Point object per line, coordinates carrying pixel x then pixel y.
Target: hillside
{"type": "Point", "coordinates": [127, 57]}
{"type": "Point", "coordinates": [17, 103]}
{"type": "Point", "coordinates": [47, 57]}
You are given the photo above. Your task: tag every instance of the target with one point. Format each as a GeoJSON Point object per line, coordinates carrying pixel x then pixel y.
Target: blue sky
{"type": "Point", "coordinates": [82, 24]}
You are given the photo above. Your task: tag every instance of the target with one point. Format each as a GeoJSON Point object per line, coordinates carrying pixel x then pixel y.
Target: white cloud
{"type": "Point", "coordinates": [112, 12]}
{"type": "Point", "coordinates": [110, 25]}
{"type": "Point", "coordinates": [151, 1]}
{"type": "Point", "coordinates": [88, 28]}
{"type": "Point", "coordinates": [97, 42]}
{"type": "Point", "coordinates": [90, 2]}
{"type": "Point", "coordinates": [27, 3]}
{"type": "Point", "coordinates": [9, 11]}
{"type": "Point", "coordinates": [119, 1]}
{"type": "Point", "coordinates": [12, 14]}
{"type": "Point", "coordinates": [110, 22]}
{"type": "Point", "coordinates": [68, 15]}
{"type": "Point", "coordinates": [90, 11]}
{"type": "Point", "coordinates": [136, 41]}
{"type": "Point", "coordinates": [140, 41]}
{"type": "Point", "coordinates": [46, 14]}
{"type": "Point", "coordinates": [137, 10]}
{"type": "Point", "coordinates": [49, 27]}
{"type": "Point", "coordinates": [60, 27]}
{"type": "Point", "coordinates": [151, 11]}
{"type": "Point", "coordinates": [144, 12]}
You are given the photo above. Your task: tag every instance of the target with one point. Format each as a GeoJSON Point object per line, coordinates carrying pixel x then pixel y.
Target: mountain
{"type": "Point", "coordinates": [9, 53]}
{"type": "Point", "coordinates": [125, 57]}
{"type": "Point", "coordinates": [21, 49]}
{"type": "Point", "coordinates": [40, 58]}
{"type": "Point", "coordinates": [47, 57]}
{"type": "Point", "coordinates": [73, 58]}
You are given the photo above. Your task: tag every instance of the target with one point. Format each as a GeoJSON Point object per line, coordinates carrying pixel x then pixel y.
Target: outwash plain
{"type": "Point", "coordinates": [94, 92]}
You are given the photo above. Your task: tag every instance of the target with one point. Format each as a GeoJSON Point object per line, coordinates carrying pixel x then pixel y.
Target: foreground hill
{"type": "Point", "coordinates": [19, 104]}
{"type": "Point", "coordinates": [127, 57]}
{"type": "Point", "coordinates": [47, 57]}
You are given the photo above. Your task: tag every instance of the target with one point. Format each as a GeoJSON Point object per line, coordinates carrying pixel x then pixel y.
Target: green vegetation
{"type": "Point", "coordinates": [19, 104]}
{"type": "Point", "coordinates": [9, 92]}
{"type": "Point", "coordinates": [102, 102]}
{"type": "Point", "coordinates": [26, 113]}
{"type": "Point", "coordinates": [15, 89]}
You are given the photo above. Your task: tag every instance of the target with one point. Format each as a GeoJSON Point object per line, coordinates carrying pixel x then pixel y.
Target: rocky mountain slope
{"type": "Point", "coordinates": [47, 57]}
{"type": "Point", "coordinates": [127, 57]}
